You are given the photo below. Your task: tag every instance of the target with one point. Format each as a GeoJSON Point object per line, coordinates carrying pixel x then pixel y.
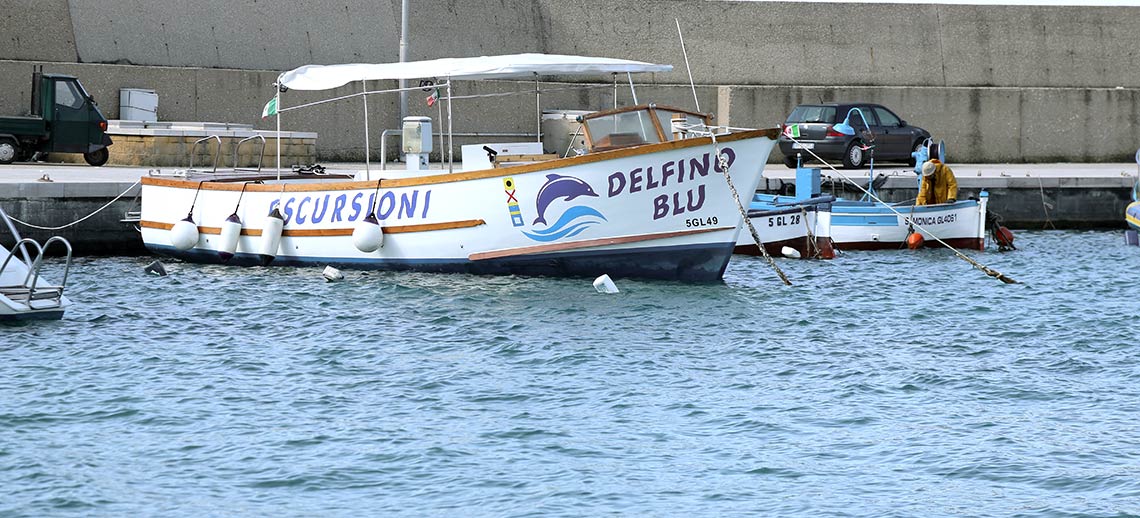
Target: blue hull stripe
{"type": "Point", "coordinates": [862, 220]}
{"type": "Point", "coordinates": [691, 263]}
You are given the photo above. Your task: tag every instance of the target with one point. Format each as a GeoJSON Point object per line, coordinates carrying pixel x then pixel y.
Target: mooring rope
{"type": "Point", "coordinates": [723, 161]}
{"type": "Point", "coordinates": [987, 270]}
{"type": "Point", "coordinates": [80, 220]}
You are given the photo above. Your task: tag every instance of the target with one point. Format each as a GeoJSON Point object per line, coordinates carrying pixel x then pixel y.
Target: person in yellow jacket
{"type": "Point", "coordinates": [938, 184]}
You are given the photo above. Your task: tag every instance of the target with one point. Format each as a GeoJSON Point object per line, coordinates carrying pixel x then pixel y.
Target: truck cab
{"type": "Point", "coordinates": [64, 119]}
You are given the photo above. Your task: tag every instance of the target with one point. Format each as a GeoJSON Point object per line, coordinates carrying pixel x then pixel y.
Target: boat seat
{"type": "Point", "coordinates": [617, 141]}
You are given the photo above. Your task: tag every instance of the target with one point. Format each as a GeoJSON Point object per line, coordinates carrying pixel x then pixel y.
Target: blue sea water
{"type": "Point", "coordinates": [879, 384]}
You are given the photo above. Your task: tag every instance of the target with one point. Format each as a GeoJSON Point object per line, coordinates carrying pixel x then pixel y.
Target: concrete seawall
{"type": "Point", "coordinates": [998, 83]}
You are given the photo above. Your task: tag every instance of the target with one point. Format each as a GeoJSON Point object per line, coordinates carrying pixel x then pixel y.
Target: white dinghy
{"type": "Point", "coordinates": [647, 197]}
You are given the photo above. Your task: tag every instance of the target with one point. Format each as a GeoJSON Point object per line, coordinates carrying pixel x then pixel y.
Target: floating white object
{"type": "Point", "coordinates": [184, 235]}
{"type": "Point", "coordinates": [790, 252]}
{"type": "Point", "coordinates": [271, 236]}
{"type": "Point", "coordinates": [605, 285]}
{"type": "Point", "coordinates": [332, 274]}
{"type": "Point", "coordinates": [231, 231]}
{"type": "Point", "coordinates": [368, 236]}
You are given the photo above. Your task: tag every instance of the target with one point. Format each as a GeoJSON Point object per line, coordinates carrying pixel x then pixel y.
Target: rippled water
{"type": "Point", "coordinates": [880, 384]}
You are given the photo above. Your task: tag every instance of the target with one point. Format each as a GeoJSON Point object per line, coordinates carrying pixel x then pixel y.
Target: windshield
{"type": "Point", "coordinates": [807, 113]}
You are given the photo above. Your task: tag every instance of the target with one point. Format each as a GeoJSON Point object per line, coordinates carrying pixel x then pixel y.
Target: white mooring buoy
{"type": "Point", "coordinates": [332, 274]}
{"type": "Point", "coordinates": [605, 285]}
{"type": "Point", "coordinates": [184, 234]}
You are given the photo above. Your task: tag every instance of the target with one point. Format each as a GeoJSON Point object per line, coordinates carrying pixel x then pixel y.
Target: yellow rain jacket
{"type": "Point", "coordinates": [939, 187]}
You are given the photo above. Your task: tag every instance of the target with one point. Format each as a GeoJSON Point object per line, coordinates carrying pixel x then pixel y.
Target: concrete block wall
{"type": "Point", "coordinates": [998, 83]}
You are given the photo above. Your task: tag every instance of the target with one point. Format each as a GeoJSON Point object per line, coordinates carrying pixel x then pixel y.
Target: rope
{"type": "Point", "coordinates": [1045, 206]}
{"type": "Point", "coordinates": [84, 218]}
{"type": "Point", "coordinates": [987, 270]}
{"type": "Point", "coordinates": [812, 246]}
{"type": "Point", "coordinates": [723, 161]}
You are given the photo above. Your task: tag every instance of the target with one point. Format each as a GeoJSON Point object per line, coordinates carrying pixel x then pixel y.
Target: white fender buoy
{"type": "Point", "coordinates": [271, 236]}
{"type": "Point", "coordinates": [368, 236]}
{"type": "Point", "coordinates": [605, 285]}
{"type": "Point", "coordinates": [184, 235]}
{"type": "Point", "coordinates": [790, 252]}
{"type": "Point", "coordinates": [231, 231]}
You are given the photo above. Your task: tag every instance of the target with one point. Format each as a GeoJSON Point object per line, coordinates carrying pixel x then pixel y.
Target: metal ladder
{"type": "Point", "coordinates": [30, 290]}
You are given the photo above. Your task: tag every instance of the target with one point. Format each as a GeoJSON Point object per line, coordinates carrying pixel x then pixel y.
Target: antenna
{"type": "Point", "coordinates": [686, 53]}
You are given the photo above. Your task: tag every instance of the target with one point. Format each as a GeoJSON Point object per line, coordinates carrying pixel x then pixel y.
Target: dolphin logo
{"type": "Point", "coordinates": [558, 186]}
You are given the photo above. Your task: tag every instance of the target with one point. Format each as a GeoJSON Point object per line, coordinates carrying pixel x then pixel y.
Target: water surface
{"type": "Point", "coordinates": [880, 384]}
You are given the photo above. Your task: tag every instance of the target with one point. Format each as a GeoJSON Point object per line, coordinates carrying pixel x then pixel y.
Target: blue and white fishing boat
{"type": "Point", "coordinates": [796, 226]}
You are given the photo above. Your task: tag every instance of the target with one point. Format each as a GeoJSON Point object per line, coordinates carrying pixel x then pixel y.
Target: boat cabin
{"type": "Point", "coordinates": [638, 125]}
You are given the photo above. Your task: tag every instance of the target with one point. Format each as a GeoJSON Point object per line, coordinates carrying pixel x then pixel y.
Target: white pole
{"type": "Point", "coordinates": [686, 53]}
{"type": "Point", "coordinates": [277, 86]}
{"type": "Point", "coordinates": [537, 110]}
{"type": "Point", "coordinates": [403, 58]}
{"type": "Point", "coordinates": [367, 158]}
{"type": "Point", "coordinates": [450, 141]}
{"type": "Point", "coordinates": [631, 90]}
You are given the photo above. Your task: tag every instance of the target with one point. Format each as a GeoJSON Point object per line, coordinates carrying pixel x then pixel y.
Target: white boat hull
{"type": "Point", "coordinates": [659, 211]}
{"type": "Point", "coordinates": [874, 226]}
{"type": "Point", "coordinates": [805, 229]}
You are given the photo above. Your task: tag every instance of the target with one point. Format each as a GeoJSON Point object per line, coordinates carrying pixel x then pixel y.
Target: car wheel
{"type": "Point", "coordinates": [853, 157]}
{"type": "Point", "coordinates": [8, 151]}
{"type": "Point", "coordinates": [97, 158]}
{"type": "Point", "coordinates": [918, 145]}
{"type": "Point", "coordinates": [790, 161]}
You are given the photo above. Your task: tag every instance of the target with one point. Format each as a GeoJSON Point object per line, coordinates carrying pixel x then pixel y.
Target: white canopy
{"type": "Point", "coordinates": [325, 77]}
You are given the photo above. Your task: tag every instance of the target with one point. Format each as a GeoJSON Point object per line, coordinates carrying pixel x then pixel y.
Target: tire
{"type": "Point", "coordinates": [97, 158]}
{"type": "Point", "coordinates": [790, 161]}
{"type": "Point", "coordinates": [9, 150]}
{"type": "Point", "coordinates": [854, 156]}
{"type": "Point", "coordinates": [914, 149]}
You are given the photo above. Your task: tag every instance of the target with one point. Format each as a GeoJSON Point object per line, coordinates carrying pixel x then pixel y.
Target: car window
{"type": "Point", "coordinates": [67, 95]}
{"type": "Point", "coordinates": [886, 118]}
{"type": "Point", "coordinates": [807, 114]}
{"type": "Point", "coordinates": [855, 120]}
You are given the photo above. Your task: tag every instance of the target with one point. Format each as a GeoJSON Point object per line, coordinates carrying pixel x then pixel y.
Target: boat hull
{"type": "Point", "coordinates": [1132, 215]}
{"type": "Point", "coordinates": [658, 211]}
{"type": "Point", "coordinates": [874, 226]}
{"type": "Point", "coordinates": [804, 229]}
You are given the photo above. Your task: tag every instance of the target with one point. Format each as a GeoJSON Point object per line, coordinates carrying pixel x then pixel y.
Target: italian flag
{"type": "Point", "coordinates": [792, 130]}
{"type": "Point", "coordinates": [270, 108]}
{"type": "Point", "coordinates": [433, 98]}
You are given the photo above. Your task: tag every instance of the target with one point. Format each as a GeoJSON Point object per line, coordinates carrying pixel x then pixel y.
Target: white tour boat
{"type": "Point", "coordinates": [646, 197]}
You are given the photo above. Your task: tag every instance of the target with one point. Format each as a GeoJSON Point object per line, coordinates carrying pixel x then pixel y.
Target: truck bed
{"type": "Point", "coordinates": [23, 126]}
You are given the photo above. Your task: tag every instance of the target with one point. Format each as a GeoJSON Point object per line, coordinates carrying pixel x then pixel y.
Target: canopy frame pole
{"type": "Point", "coordinates": [277, 86]}
{"type": "Point", "coordinates": [615, 90]}
{"type": "Point", "coordinates": [367, 142]}
{"type": "Point", "coordinates": [631, 89]}
{"type": "Point", "coordinates": [450, 136]}
{"type": "Point", "coordinates": [537, 110]}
